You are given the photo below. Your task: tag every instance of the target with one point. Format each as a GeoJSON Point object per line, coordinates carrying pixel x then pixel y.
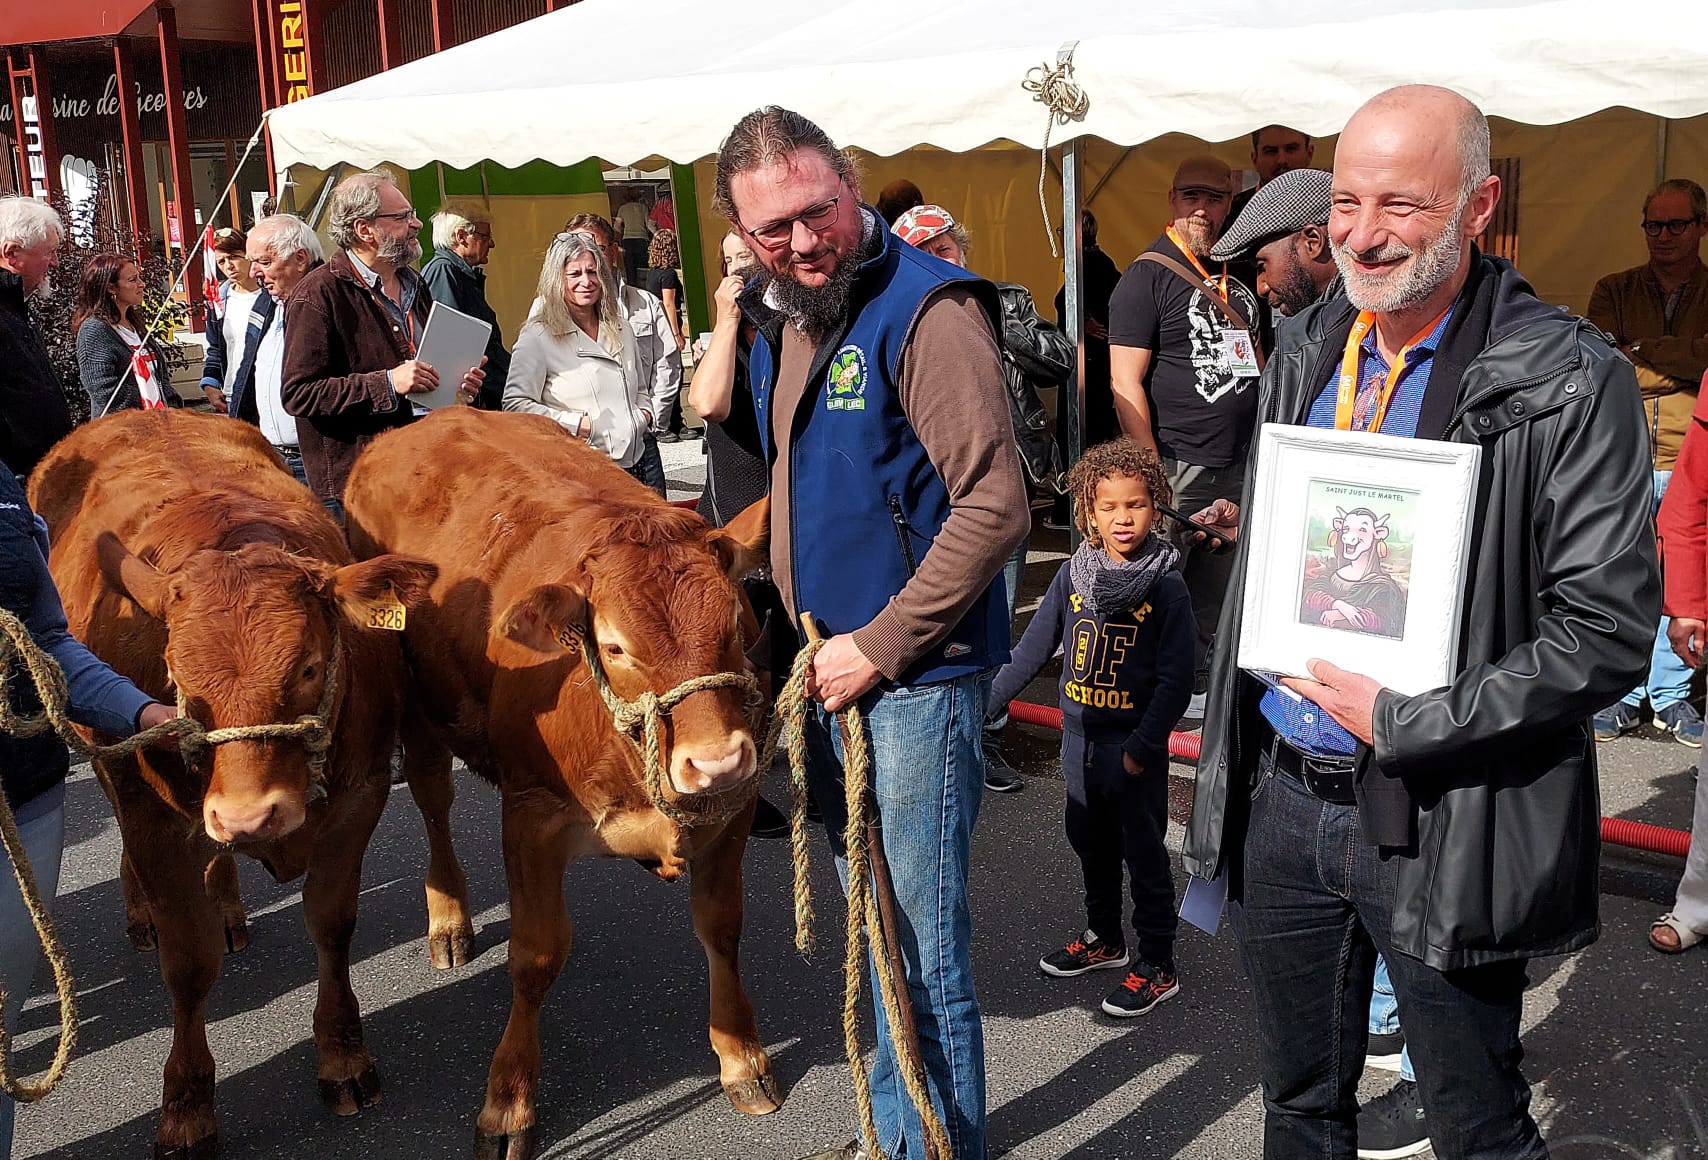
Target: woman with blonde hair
{"type": "Point", "coordinates": [576, 362]}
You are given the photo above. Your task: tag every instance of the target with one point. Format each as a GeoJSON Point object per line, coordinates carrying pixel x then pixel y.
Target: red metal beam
{"type": "Point", "coordinates": [46, 183]}
{"type": "Point", "coordinates": [178, 135]}
{"type": "Point", "coordinates": [44, 114]}
{"type": "Point", "coordinates": [261, 16]}
{"type": "Point", "coordinates": [391, 33]}
{"type": "Point", "coordinates": [443, 36]}
{"type": "Point", "coordinates": [130, 134]}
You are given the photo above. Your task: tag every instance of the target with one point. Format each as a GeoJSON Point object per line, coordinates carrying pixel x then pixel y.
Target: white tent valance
{"type": "Point", "coordinates": [605, 79]}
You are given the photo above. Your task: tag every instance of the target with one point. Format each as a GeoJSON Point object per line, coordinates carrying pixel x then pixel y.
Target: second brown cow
{"type": "Point", "coordinates": [546, 549]}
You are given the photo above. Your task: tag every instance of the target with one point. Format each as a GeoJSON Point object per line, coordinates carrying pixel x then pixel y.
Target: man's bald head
{"type": "Point", "coordinates": [1412, 191]}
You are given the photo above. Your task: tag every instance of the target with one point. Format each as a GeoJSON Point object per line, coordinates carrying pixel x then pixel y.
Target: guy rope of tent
{"type": "Point", "coordinates": [312, 732]}
{"type": "Point", "coordinates": [1054, 87]}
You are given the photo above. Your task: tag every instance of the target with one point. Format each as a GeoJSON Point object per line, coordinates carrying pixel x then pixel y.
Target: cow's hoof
{"type": "Point", "coordinates": [346, 1097]}
{"type": "Point", "coordinates": [515, 1146]}
{"type": "Point", "coordinates": [236, 935]}
{"type": "Point", "coordinates": [142, 936]}
{"type": "Point", "coordinates": [451, 949]}
{"type": "Point", "coordinates": [754, 1097]}
{"type": "Point", "coordinates": [207, 1148]}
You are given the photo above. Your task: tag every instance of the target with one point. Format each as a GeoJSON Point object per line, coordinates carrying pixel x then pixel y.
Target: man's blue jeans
{"type": "Point", "coordinates": [1313, 916]}
{"type": "Point", "coordinates": [41, 823]}
{"type": "Point", "coordinates": [1669, 677]}
{"type": "Point", "coordinates": [928, 777]}
{"type": "Point", "coordinates": [1385, 1014]}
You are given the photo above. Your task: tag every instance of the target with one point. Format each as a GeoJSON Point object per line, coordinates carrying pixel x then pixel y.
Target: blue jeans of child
{"type": "Point", "coordinates": [928, 776]}
{"type": "Point", "coordinates": [1385, 1014]}
{"type": "Point", "coordinates": [1669, 677]}
{"type": "Point", "coordinates": [1317, 908]}
{"type": "Point", "coordinates": [41, 823]}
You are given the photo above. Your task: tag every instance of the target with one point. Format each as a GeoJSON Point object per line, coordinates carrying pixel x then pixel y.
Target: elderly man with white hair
{"type": "Point", "coordinates": [281, 249]}
{"type": "Point", "coordinates": [34, 414]}
{"type": "Point", "coordinates": [350, 365]}
{"type": "Point", "coordinates": [462, 243]}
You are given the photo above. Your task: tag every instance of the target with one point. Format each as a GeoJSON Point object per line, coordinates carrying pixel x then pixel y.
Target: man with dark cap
{"type": "Point", "coordinates": [1283, 232]}
{"type": "Point", "coordinates": [1184, 360]}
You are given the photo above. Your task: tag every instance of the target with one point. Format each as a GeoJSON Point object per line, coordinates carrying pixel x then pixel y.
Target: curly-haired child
{"type": "Point", "coordinates": [1122, 616]}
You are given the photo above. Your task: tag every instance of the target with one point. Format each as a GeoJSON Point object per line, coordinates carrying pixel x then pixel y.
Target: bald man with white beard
{"type": "Point", "coordinates": [1455, 831]}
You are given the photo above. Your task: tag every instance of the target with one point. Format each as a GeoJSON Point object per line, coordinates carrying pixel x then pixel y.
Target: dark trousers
{"type": "Point", "coordinates": [1115, 818]}
{"type": "Point", "coordinates": [649, 468]}
{"type": "Point", "coordinates": [1317, 907]}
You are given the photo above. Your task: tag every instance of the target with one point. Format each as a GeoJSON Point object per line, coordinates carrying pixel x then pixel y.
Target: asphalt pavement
{"type": "Point", "coordinates": [1612, 1039]}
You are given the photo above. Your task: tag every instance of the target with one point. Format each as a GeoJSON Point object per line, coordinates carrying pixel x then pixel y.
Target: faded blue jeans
{"type": "Point", "coordinates": [928, 777]}
{"type": "Point", "coordinates": [41, 823]}
{"type": "Point", "coordinates": [1669, 677]}
{"type": "Point", "coordinates": [1385, 1014]}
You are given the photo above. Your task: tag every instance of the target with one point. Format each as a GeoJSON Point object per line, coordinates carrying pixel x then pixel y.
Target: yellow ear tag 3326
{"type": "Point", "coordinates": [568, 638]}
{"type": "Point", "coordinates": [388, 613]}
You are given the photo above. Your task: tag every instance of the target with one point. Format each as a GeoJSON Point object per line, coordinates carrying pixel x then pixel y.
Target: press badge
{"type": "Point", "coordinates": [1239, 354]}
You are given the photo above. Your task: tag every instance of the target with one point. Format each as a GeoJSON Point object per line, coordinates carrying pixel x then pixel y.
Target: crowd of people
{"type": "Point", "coordinates": [1426, 846]}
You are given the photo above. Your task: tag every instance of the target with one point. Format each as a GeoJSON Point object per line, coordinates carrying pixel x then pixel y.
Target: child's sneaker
{"type": "Point", "coordinates": [1085, 953]}
{"type": "Point", "coordinates": [1143, 988]}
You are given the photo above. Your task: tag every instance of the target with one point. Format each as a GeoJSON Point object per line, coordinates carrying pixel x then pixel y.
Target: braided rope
{"type": "Point", "coordinates": [864, 923]}
{"type": "Point", "coordinates": [1053, 86]}
{"type": "Point", "coordinates": [313, 732]}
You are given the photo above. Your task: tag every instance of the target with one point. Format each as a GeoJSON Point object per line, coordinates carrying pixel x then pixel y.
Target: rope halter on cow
{"type": "Point", "coordinates": [642, 722]}
{"type": "Point", "coordinates": [312, 732]}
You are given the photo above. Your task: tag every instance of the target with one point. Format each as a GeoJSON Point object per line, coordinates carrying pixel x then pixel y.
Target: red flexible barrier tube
{"type": "Point", "coordinates": [1614, 831]}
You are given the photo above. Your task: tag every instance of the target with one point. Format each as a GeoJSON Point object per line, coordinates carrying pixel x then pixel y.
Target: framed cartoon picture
{"type": "Point", "coordinates": [1356, 554]}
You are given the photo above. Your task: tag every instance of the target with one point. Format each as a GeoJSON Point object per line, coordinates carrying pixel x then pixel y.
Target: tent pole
{"type": "Point", "coordinates": [1073, 300]}
{"type": "Point", "coordinates": [1661, 124]}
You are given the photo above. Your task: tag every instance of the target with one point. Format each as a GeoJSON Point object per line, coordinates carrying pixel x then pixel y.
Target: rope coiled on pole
{"type": "Point", "coordinates": [1053, 86]}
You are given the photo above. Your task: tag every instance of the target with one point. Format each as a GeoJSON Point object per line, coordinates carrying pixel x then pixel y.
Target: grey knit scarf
{"type": "Point", "coordinates": [1109, 587]}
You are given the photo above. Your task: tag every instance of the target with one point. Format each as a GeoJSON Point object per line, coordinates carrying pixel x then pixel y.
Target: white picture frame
{"type": "Point", "coordinates": [1356, 550]}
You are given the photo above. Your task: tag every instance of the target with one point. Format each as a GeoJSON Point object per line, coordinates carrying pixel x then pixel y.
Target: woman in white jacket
{"type": "Point", "coordinates": [576, 360]}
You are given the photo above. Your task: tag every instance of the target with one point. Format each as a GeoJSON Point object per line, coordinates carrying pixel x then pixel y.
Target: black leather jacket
{"type": "Point", "coordinates": [1562, 595]}
{"type": "Point", "coordinates": [1034, 355]}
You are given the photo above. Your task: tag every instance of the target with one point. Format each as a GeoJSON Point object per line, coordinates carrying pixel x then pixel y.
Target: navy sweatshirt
{"type": "Point", "coordinates": [1126, 678]}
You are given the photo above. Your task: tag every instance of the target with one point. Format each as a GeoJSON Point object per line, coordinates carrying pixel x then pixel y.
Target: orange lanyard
{"type": "Point", "coordinates": [1349, 371]}
{"type": "Point", "coordinates": [1222, 289]}
{"type": "Point", "coordinates": [408, 327]}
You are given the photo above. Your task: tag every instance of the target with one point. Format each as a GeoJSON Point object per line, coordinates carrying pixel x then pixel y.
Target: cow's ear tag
{"type": "Point", "coordinates": [568, 638]}
{"type": "Point", "coordinates": [387, 613]}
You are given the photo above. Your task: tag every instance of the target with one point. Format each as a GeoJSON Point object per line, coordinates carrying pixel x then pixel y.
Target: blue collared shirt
{"type": "Point", "coordinates": [408, 282]}
{"type": "Point", "coordinates": [1302, 724]}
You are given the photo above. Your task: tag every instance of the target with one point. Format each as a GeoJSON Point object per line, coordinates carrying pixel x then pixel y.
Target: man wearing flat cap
{"type": "Point", "coordinates": [1283, 232]}
{"type": "Point", "coordinates": [1184, 357]}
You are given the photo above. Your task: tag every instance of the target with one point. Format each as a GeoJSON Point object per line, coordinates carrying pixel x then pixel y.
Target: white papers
{"type": "Point", "coordinates": [452, 345]}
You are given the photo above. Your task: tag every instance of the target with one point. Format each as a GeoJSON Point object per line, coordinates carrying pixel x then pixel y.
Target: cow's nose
{"type": "Point", "coordinates": [271, 815]}
{"type": "Point", "coordinates": [704, 771]}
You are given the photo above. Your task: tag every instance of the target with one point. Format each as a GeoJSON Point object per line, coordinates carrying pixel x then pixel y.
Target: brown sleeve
{"type": "Point", "coordinates": [952, 390]}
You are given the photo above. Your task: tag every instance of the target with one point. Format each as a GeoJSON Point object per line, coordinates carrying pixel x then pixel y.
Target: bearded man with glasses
{"type": "Point", "coordinates": [1658, 314]}
{"type": "Point", "coordinates": [896, 497]}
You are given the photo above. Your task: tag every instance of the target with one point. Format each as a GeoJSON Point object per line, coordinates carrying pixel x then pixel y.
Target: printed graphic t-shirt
{"type": "Point", "coordinates": [1202, 412]}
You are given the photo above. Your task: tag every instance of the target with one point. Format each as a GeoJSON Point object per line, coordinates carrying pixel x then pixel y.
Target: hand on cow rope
{"type": "Point", "coordinates": [49, 680]}
{"type": "Point", "coordinates": [1054, 87]}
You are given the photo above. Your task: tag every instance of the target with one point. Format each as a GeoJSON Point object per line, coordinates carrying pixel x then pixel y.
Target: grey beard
{"type": "Point", "coordinates": [815, 310]}
{"type": "Point", "coordinates": [400, 252]}
{"type": "Point", "coordinates": [1432, 264]}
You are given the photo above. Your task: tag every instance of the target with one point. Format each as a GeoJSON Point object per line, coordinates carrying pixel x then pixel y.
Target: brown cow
{"type": "Point", "coordinates": [545, 548]}
{"type": "Point", "coordinates": [192, 562]}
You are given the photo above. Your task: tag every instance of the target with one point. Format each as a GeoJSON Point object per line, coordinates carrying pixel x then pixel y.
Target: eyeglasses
{"type": "Point", "coordinates": [403, 215]}
{"type": "Point", "coordinates": [816, 218]}
{"type": "Point", "coordinates": [1674, 228]}
{"type": "Point", "coordinates": [483, 235]}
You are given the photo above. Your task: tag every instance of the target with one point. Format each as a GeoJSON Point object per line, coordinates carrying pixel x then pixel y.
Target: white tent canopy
{"type": "Point", "coordinates": [886, 75]}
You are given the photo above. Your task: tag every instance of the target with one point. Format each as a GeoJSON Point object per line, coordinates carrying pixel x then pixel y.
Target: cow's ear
{"type": "Point", "coordinates": [742, 544]}
{"type": "Point", "coordinates": [151, 589]}
{"type": "Point", "coordinates": [366, 589]}
{"type": "Point", "coordinates": [548, 619]}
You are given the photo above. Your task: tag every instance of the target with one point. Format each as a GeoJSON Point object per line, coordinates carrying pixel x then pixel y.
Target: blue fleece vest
{"type": "Point", "coordinates": [864, 490]}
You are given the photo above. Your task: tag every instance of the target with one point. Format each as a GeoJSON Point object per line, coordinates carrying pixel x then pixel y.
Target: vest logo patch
{"type": "Point", "coordinates": [847, 380]}
{"type": "Point", "coordinates": [957, 649]}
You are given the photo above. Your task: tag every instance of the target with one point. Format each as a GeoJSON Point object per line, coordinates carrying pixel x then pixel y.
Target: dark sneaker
{"type": "Point", "coordinates": [1384, 1051]}
{"type": "Point", "coordinates": [1619, 719]}
{"type": "Point", "coordinates": [668, 437]}
{"type": "Point", "coordinates": [689, 434]}
{"type": "Point", "coordinates": [1391, 1125]}
{"type": "Point", "coordinates": [1683, 722]}
{"type": "Point", "coordinates": [999, 775]}
{"type": "Point", "coordinates": [1085, 953]}
{"type": "Point", "coordinates": [1143, 988]}
{"type": "Point", "coordinates": [768, 821]}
